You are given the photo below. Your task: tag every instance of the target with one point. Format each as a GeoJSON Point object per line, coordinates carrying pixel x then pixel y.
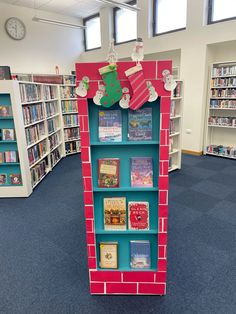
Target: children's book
{"type": "Point", "coordinates": [110, 126]}
{"type": "Point", "coordinates": [108, 254]}
{"type": "Point", "coordinates": [140, 254]}
{"type": "Point", "coordinates": [5, 111]}
{"type": "Point", "coordinates": [138, 215]}
{"type": "Point", "coordinates": [141, 172]}
{"type": "Point", "coordinates": [8, 134]}
{"type": "Point", "coordinates": [140, 124]}
{"type": "Point", "coordinates": [11, 156]}
{"type": "Point", "coordinates": [15, 179]}
{"type": "Point", "coordinates": [3, 178]}
{"type": "Point", "coordinates": [115, 213]}
{"type": "Point", "coordinates": [109, 172]}
{"type": "Point", "coordinates": [1, 157]}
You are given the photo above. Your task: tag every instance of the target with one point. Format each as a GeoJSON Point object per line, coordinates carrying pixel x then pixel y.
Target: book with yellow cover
{"type": "Point", "coordinates": [115, 213]}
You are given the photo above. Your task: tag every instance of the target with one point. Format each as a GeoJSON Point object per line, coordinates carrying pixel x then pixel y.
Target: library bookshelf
{"type": "Point", "coordinates": [39, 132]}
{"type": "Point", "coordinates": [69, 108]}
{"type": "Point", "coordinates": [220, 135]}
{"type": "Point", "coordinates": [124, 279]}
{"type": "Point", "coordinates": [176, 111]}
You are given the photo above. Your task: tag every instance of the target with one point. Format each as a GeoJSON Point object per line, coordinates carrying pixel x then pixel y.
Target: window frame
{"type": "Point", "coordinates": [132, 2]}
{"type": "Point", "coordinates": [85, 20]}
{"type": "Point", "coordinates": [210, 12]}
{"type": "Point", "coordinates": [154, 34]}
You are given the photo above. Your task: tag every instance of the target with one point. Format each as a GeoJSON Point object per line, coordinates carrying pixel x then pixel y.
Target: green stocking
{"type": "Point", "coordinates": [113, 91]}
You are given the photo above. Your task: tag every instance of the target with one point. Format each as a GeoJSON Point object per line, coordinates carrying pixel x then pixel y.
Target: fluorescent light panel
{"type": "Point", "coordinates": [55, 22]}
{"type": "Point", "coordinates": [120, 5]}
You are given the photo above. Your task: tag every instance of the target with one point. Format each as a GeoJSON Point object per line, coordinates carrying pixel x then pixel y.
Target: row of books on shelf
{"type": "Point", "coordinates": [37, 151]}
{"type": "Point", "coordinates": [51, 108]}
{"type": "Point", "coordinates": [49, 92]}
{"type": "Point", "coordinates": [69, 106]}
{"type": "Point", "coordinates": [72, 147]}
{"type": "Point", "coordinates": [34, 133]}
{"type": "Point", "coordinates": [227, 151]}
{"type": "Point", "coordinates": [139, 125]}
{"type": "Point", "coordinates": [227, 92]}
{"type": "Point", "coordinates": [5, 111]}
{"type": "Point", "coordinates": [173, 110]}
{"type": "Point", "coordinates": [219, 104]}
{"type": "Point", "coordinates": [7, 135]}
{"type": "Point", "coordinates": [10, 179]}
{"type": "Point", "coordinates": [172, 127]}
{"type": "Point", "coordinates": [224, 70]}
{"type": "Point", "coordinates": [33, 113]}
{"type": "Point", "coordinates": [54, 140]}
{"type": "Point", "coordinates": [223, 121]}
{"type": "Point", "coordinates": [67, 92]}
{"type": "Point", "coordinates": [140, 254]}
{"type": "Point", "coordinates": [30, 92]}
{"type": "Point", "coordinates": [141, 172]}
{"type": "Point", "coordinates": [71, 134]}
{"type": "Point", "coordinates": [38, 172]}
{"type": "Point", "coordinates": [9, 156]}
{"type": "Point", "coordinates": [69, 79]}
{"type": "Point", "coordinates": [226, 82]}
{"type": "Point", "coordinates": [55, 156]}
{"type": "Point", "coordinates": [115, 214]}
{"type": "Point", "coordinates": [70, 120]}
{"type": "Point", "coordinates": [52, 126]}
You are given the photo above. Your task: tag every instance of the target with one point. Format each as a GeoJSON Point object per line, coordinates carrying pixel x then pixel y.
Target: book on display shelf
{"type": "Point", "coordinates": [114, 213]}
{"type": "Point", "coordinates": [140, 124]}
{"type": "Point", "coordinates": [140, 254]}
{"type": "Point", "coordinates": [138, 213]}
{"type": "Point", "coordinates": [141, 172]}
{"type": "Point", "coordinates": [5, 111]}
{"type": "Point", "coordinates": [109, 172]}
{"type": "Point", "coordinates": [8, 134]}
{"type": "Point", "coordinates": [108, 255]}
{"type": "Point", "coordinates": [3, 178]}
{"type": "Point", "coordinates": [110, 126]}
{"type": "Point", "coordinates": [15, 179]}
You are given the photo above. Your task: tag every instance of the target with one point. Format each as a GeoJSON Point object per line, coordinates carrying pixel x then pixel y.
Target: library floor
{"type": "Point", "coordinates": [43, 263]}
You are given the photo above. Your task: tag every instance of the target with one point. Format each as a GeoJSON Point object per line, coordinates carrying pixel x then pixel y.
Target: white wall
{"type": "Point", "coordinates": [199, 45]}
{"type": "Point", "coordinates": [44, 46]}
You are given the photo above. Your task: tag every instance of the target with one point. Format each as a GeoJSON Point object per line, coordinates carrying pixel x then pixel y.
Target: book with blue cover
{"type": "Point", "coordinates": [110, 126]}
{"type": "Point", "coordinates": [140, 254]}
{"type": "Point", "coordinates": [140, 124]}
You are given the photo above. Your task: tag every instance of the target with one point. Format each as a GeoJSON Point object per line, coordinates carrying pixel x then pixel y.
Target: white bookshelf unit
{"type": "Point", "coordinates": [69, 108]}
{"type": "Point", "coordinates": [176, 110]}
{"type": "Point", "coordinates": [220, 135]}
{"type": "Point", "coordinates": [39, 131]}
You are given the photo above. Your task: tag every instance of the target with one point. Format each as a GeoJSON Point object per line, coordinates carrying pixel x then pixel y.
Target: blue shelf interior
{"type": "Point", "coordinates": [125, 150]}
{"type": "Point", "coordinates": [8, 123]}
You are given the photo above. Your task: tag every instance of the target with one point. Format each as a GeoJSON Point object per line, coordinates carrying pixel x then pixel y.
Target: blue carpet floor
{"type": "Point", "coordinates": [43, 262]}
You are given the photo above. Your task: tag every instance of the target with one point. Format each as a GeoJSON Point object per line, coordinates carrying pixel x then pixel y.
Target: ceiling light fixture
{"type": "Point", "coordinates": [120, 5]}
{"type": "Point", "coordinates": [55, 22]}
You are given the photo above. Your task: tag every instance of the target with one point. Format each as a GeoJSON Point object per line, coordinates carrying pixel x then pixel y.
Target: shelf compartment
{"type": "Point", "coordinates": [124, 249]}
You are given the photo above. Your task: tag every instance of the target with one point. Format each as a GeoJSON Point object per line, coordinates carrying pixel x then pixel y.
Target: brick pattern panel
{"type": "Point", "coordinates": [133, 282]}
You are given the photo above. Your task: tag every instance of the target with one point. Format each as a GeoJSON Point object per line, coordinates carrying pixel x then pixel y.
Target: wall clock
{"type": "Point", "coordinates": [15, 28]}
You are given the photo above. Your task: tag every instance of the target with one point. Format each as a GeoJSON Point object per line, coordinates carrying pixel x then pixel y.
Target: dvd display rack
{"type": "Point", "coordinates": [220, 137]}
{"type": "Point", "coordinates": [176, 109]}
{"type": "Point", "coordinates": [124, 279]}
{"type": "Point", "coordinates": [70, 114]}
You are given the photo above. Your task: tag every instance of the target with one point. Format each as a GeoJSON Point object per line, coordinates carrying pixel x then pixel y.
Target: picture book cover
{"type": "Point", "coordinates": [1, 157]}
{"type": "Point", "coordinates": [140, 254]}
{"type": "Point", "coordinates": [109, 172]}
{"type": "Point", "coordinates": [140, 124]}
{"type": "Point", "coordinates": [115, 213]}
{"type": "Point", "coordinates": [138, 215]}
{"type": "Point", "coordinates": [141, 172]}
{"type": "Point", "coordinates": [15, 179]}
{"type": "Point", "coordinates": [110, 126]}
{"type": "Point", "coordinates": [11, 156]}
{"type": "Point", "coordinates": [8, 134]}
{"type": "Point", "coordinates": [3, 178]}
{"type": "Point", "coordinates": [108, 254]}
{"type": "Point", "coordinates": [5, 111]}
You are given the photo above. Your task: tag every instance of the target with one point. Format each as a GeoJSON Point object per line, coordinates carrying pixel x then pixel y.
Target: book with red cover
{"type": "Point", "coordinates": [109, 172]}
{"type": "Point", "coordinates": [138, 215]}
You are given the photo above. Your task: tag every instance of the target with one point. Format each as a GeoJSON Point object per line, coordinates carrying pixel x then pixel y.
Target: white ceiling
{"type": "Point", "coordinates": [75, 8]}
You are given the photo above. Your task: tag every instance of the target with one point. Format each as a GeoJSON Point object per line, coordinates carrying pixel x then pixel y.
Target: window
{"type": "Point", "coordinates": [92, 34]}
{"type": "Point", "coordinates": [169, 16]}
{"type": "Point", "coordinates": [219, 10]}
{"type": "Point", "coordinates": [125, 24]}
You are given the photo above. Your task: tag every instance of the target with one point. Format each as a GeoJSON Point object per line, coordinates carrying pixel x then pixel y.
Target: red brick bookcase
{"type": "Point", "coordinates": [134, 282]}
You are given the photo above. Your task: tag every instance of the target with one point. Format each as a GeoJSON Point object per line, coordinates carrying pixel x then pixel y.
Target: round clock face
{"type": "Point", "coordinates": [15, 28]}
